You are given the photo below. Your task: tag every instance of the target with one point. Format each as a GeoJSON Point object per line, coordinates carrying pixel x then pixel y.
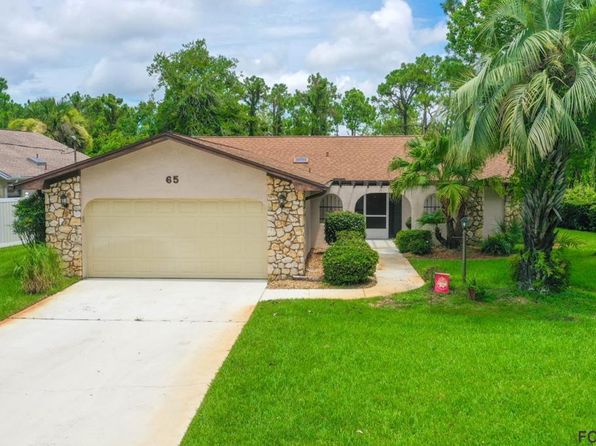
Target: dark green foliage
{"type": "Point", "coordinates": [202, 93]}
{"type": "Point", "coordinates": [417, 241]}
{"type": "Point", "coordinates": [579, 209]}
{"type": "Point", "coordinates": [552, 272]}
{"type": "Point", "coordinates": [30, 223]}
{"type": "Point", "coordinates": [343, 221]}
{"type": "Point", "coordinates": [503, 242]}
{"type": "Point", "coordinates": [432, 218]}
{"type": "Point", "coordinates": [39, 271]}
{"type": "Point", "coordinates": [476, 290]}
{"type": "Point", "coordinates": [358, 113]}
{"type": "Point", "coordinates": [497, 245]}
{"type": "Point", "coordinates": [349, 261]}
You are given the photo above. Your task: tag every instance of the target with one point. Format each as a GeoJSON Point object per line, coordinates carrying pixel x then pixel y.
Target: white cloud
{"type": "Point", "coordinates": [130, 75]}
{"type": "Point", "coordinates": [380, 40]}
{"type": "Point", "coordinates": [51, 47]}
{"type": "Point", "coordinates": [297, 80]}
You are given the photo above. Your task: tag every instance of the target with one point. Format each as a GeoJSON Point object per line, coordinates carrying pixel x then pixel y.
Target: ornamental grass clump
{"type": "Point", "coordinates": [39, 270]}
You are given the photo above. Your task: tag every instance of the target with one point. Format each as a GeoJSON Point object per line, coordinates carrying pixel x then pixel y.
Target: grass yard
{"type": "Point", "coordinates": [517, 370]}
{"type": "Point", "coordinates": [12, 298]}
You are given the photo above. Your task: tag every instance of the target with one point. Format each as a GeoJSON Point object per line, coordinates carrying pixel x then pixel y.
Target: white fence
{"type": "Point", "coordinates": [7, 235]}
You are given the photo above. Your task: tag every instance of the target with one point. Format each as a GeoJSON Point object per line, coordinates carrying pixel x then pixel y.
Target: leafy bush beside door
{"type": "Point", "coordinates": [417, 241]}
{"type": "Point", "coordinates": [343, 221]}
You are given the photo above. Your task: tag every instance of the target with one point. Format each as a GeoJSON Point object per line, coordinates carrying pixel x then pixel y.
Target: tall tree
{"type": "Point", "coordinates": [403, 86]}
{"type": "Point", "coordinates": [278, 101]}
{"type": "Point", "coordinates": [320, 104]}
{"type": "Point", "coordinates": [202, 93]}
{"type": "Point", "coordinates": [255, 92]}
{"type": "Point", "coordinates": [9, 110]}
{"type": "Point", "coordinates": [528, 97]}
{"type": "Point", "coordinates": [465, 20]}
{"type": "Point", "coordinates": [358, 112]}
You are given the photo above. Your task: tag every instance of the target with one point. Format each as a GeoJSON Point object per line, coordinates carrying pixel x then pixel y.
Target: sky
{"type": "Point", "coordinates": [53, 47]}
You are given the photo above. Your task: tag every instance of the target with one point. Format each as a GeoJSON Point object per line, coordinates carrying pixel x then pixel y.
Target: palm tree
{"type": "Point", "coordinates": [428, 164]}
{"type": "Point", "coordinates": [527, 98]}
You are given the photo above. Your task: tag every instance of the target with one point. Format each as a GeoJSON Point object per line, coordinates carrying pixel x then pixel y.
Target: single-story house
{"type": "Point", "coordinates": [175, 206]}
{"type": "Point", "coordinates": [25, 154]}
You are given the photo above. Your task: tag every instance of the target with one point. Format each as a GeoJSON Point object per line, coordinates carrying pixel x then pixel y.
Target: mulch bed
{"type": "Point", "coordinates": [314, 275]}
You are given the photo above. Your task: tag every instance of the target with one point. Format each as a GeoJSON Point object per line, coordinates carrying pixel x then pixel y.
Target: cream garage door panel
{"type": "Point", "coordinates": [175, 238]}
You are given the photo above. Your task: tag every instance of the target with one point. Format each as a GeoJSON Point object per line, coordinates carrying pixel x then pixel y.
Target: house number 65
{"type": "Point", "coordinates": [172, 179]}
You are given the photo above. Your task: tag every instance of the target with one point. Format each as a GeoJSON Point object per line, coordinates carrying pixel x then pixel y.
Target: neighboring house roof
{"type": "Point", "coordinates": [313, 160]}
{"type": "Point", "coordinates": [27, 154]}
{"type": "Point", "coordinates": [350, 158]}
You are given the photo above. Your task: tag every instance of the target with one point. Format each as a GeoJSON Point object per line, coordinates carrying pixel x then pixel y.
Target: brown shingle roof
{"type": "Point", "coordinates": [358, 158]}
{"type": "Point", "coordinates": [352, 158]}
{"type": "Point", "coordinates": [263, 162]}
{"type": "Point", "coordinates": [17, 147]}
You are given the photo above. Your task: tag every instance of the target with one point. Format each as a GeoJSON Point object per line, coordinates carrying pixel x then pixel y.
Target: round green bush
{"type": "Point", "coordinates": [349, 236]}
{"type": "Point", "coordinates": [417, 241]}
{"type": "Point", "coordinates": [349, 262]}
{"type": "Point", "coordinates": [497, 245]}
{"type": "Point", "coordinates": [336, 222]}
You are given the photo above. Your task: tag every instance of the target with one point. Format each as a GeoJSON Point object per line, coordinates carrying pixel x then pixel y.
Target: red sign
{"type": "Point", "coordinates": [442, 283]}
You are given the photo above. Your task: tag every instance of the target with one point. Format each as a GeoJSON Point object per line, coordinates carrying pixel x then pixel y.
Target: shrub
{"type": "Point", "coordinates": [579, 209]}
{"type": "Point", "coordinates": [552, 273]}
{"type": "Point", "coordinates": [39, 270]}
{"type": "Point", "coordinates": [498, 245]}
{"type": "Point", "coordinates": [476, 290]}
{"type": "Point", "coordinates": [343, 221]}
{"type": "Point", "coordinates": [349, 262]}
{"type": "Point", "coordinates": [29, 223]}
{"type": "Point", "coordinates": [417, 241]}
{"type": "Point", "coordinates": [349, 235]}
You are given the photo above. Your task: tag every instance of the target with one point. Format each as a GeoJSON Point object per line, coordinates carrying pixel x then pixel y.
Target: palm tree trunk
{"type": "Point", "coordinates": [543, 195]}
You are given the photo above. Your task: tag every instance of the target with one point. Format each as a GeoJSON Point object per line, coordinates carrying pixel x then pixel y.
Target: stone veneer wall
{"type": "Point", "coordinates": [475, 212]}
{"type": "Point", "coordinates": [512, 208]}
{"type": "Point", "coordinates": [285, 230]}
{"type": "Point", "coordinates": [64, 230]}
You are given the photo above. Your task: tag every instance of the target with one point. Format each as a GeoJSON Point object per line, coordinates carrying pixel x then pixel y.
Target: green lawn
{"type": "Point", "coordinates": [12, 298]}
{"type": "Point", "coordinates": [518, 370]}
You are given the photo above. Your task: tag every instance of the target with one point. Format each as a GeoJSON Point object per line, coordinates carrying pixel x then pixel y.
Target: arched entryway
{"type": "Point", "coordinates": [382, 213]}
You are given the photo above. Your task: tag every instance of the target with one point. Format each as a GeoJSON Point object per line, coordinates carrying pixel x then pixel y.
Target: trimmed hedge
{"type": "Point", "coordinates": [349, 236]}
{"type": "Point", "coordinates": [349, 261]}
{"type": "Point", "coordinates": [579, 209]}
{"type": "Point", "coordinates": [578, 216]}
{"type": "Point", "coordinates": [417, 241]}
{"type": "Point", "coordinates": [343, 221]}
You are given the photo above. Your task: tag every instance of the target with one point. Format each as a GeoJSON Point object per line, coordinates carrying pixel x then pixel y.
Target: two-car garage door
{"type": "Point", "coordinates": [175, 239]}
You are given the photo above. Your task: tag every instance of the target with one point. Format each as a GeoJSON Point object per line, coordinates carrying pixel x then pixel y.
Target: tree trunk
{"type": "Point", "coordinates": [543, 195]}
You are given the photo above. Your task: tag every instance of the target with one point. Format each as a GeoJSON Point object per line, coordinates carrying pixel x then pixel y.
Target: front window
{"type": "Point", "coordinates": [329, 203]}
{"type": "Point", "coordinates": [431, 204]}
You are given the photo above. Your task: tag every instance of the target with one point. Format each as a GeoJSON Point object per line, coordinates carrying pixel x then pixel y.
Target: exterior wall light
{"type": "Point", "coordinates": [283, 199]}
{"type": "Point", "coordinates": [64, 200]}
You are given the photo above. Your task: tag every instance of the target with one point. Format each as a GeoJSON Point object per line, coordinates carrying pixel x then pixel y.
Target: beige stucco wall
{"type": "Point", "coordinates": [313, 227]}
{"type": "Point", "coordinates": [142, 174]}
{"type": "Point", "coordinates": [494, 211]}
{"type": "Point", "coordinates": [3, 189]}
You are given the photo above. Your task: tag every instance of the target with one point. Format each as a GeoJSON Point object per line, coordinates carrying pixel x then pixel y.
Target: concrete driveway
{"type": "Point", "coordinates": [117, 362]}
